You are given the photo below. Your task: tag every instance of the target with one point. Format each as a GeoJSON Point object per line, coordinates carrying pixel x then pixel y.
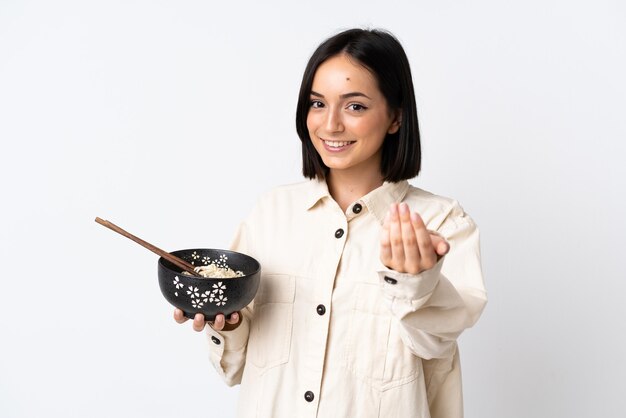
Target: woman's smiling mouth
{"type": "Point", "coordinates": [335, 146]}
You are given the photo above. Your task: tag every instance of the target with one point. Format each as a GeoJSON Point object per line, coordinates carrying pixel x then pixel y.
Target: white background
{"type": "Point", "coordinates": [170, 117]}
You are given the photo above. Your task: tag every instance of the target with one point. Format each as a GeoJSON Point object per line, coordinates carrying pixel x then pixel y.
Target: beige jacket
{"type": "Point", "coordinates": [332, 332]}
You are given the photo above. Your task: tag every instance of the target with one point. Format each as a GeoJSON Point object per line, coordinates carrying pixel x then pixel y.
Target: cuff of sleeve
{"type": "Point", "coordinates": [411, 287]}
{"type": "Point", "coordinates": [234, 340]}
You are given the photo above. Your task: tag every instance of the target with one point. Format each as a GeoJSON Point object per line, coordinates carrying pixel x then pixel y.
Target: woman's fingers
{"type": "Point", "coordinates": [412, 256]}
{"type": "Point", "coordinates": [198, 322]}
{"type": "Point", "coordinates": [179, 316]}
{"type": "Point", "coordinates": [440, 245]}
{"type": "Point", "coordinates": [395, 236]}
{"type": "Point", "coordinates": [219, 322]}
{"type": "Point", "coordinates": [233, 318]}
{"type": "Point", "coordinates": [427, 252]}
{"type": "Point", "coordinates": [406, 246]}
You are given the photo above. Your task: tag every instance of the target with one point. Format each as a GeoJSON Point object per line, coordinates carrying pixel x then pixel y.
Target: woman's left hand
{"type": "Point", "coordinates": [406, 246]}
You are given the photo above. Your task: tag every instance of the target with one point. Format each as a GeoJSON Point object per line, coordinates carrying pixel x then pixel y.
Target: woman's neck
{"type": "Point", "coordinates": [346, 187]}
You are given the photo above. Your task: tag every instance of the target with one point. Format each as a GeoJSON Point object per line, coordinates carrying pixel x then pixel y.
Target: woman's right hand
{"type": "Point", "coordinates": [220, 323]}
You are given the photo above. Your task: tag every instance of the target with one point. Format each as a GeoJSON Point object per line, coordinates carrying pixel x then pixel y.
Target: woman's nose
{"type": "Point", "coordinates": [333, 121]}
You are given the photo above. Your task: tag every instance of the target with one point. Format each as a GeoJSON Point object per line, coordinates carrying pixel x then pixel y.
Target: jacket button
{"type": "Point", "coordinates": [390, 280]}
{"type": "Point", "coordinates": [339, 233]}
{"type": "Point", "coordinates": [215, 340]}
{"type": "Point", "coordinates": [321, 309]}
{"type": "Point", "coordinates": [308, 396]}
{"type": "Point", "coordinates": [357, 208]}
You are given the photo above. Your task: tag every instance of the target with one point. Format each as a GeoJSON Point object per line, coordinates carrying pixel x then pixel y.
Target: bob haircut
{"type": "Point", "coordinates": [383, 56]}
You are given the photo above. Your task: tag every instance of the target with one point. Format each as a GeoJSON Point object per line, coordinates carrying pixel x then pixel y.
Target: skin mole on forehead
{"type": "Point", "coordinates": [347, 78]}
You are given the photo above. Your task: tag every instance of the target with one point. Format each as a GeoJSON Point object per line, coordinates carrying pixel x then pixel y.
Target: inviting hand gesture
{"type": "Point", "coordinates": [406, 246]}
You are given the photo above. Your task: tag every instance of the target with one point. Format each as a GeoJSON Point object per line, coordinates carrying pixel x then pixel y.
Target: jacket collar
{"type": "Point", "coordinates": [377, 201]}
{"type": "Point", "coordinates": [317, 190]}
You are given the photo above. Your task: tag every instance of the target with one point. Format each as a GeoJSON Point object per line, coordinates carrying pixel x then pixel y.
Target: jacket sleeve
{"type": "Point", "coordinates": [228, 348]}
{"type": "Point", "coordinates": [435, 306]}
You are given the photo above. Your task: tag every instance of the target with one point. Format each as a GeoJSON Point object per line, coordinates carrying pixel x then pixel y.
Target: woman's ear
{"type": "Point", "coordinates": [397, 122]}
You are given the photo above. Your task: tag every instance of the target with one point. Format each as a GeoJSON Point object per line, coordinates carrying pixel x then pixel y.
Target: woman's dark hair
{"type": "Point", "coordinates": [381, 54]}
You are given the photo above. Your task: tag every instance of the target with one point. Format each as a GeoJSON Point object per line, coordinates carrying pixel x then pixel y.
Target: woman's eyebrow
{"type": "Point", "coordinates": [344, 96]}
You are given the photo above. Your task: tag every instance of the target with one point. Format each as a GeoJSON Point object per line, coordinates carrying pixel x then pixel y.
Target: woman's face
{"type": "Point", "coordinates": [348, 117]}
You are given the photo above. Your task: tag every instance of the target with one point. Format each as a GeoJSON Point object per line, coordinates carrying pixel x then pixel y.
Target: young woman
{"type": "Point", "coordinates": [367, 281]}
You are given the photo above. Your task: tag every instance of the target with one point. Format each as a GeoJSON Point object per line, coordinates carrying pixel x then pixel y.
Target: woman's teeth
{"type": "Point", "coordinates": [338, 144]}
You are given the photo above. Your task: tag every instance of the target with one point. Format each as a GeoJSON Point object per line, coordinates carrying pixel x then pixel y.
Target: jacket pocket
{"type": "Point", "coordinates": [376, 352]}
{"type": "Point", "coordinates": [271, 327]}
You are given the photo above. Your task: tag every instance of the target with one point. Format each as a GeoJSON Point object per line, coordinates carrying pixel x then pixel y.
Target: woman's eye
{"type": "Point", "coordinates": [356, 107]}
{"type": "Point", "coordinates": [316, 104]}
